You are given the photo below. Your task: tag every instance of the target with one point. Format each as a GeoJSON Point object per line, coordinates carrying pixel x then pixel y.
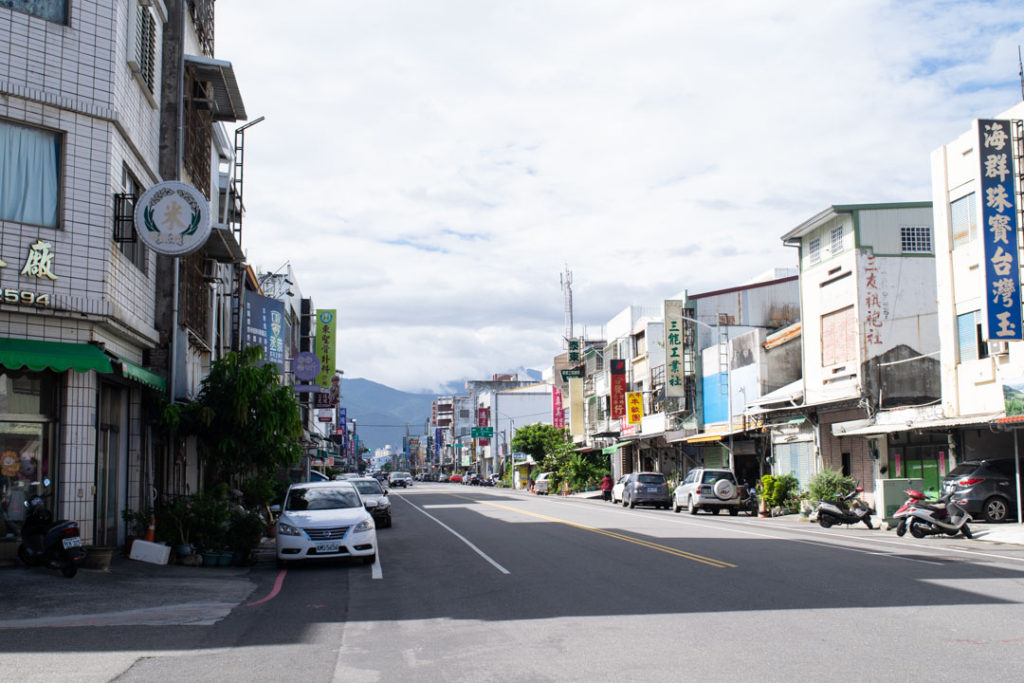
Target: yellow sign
{"type": "Point", "coordinates": [634, 407]}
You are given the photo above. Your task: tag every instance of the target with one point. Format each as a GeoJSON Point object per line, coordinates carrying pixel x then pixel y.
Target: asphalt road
{"type": "Point", "coordinates": [479, 584]}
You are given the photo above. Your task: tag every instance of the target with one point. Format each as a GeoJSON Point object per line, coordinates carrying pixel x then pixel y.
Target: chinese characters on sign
{"type": "Point", "coordinates": [38, 264]}
{"type": "Point", "coordinates": [618, 388]}
{"type": "Point", "coordinates": [483, 418]}
{"type": "Point", "coordinates": [574, 351]}
{"type": "Point", "coordinates": [634, 407]}
{"type": "Point", "coordinates": [557, 412]}
{"type": "Point", "coordinates": [999, 230]}
{"type": "Point", "coordinates": [874, 307]}
{"type": "Point", "coordinates": [265, 327]}
{"type": "Point", "coordinates": [674, 385]}
{"type": "Point", "coordinates": [326, 327]}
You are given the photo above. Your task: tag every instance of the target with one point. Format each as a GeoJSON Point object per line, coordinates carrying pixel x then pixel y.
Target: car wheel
{"type": "Point", "coordinates": [624, 501]}
{"type": "Point", "coordinates": [995, 509]}
{"type": "Point", "coordinates": [632, 504]}
{"type": "Point", "coordinates": [676, 507]}
{"type": "Point", "coordinates": [387, 522]}
{"type": "Point", "coordinates": [715, 511]}
{"type": "Point", "coordinates": [690, 507]}
{"type": "Point", "coordinates": [733, 512]}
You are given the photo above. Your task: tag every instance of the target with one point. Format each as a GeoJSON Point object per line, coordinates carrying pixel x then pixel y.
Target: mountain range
{"type": "Point", "coordinates": [384, 416]}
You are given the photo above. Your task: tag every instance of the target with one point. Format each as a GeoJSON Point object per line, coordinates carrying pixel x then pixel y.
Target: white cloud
{"type": "Point", "coordinates": [430, 167]}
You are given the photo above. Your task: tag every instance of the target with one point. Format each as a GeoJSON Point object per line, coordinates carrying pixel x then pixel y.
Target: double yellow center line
{"type": "Point", "coordinates": [710, 561]}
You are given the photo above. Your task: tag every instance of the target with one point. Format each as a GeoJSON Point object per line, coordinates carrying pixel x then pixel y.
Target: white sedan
{"type": "Point", "coordinates": [617, 489]}
{"type": "Point", "coordinates": [323, 520]}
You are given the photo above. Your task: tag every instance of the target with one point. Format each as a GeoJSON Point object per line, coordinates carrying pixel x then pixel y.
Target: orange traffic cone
{"type": "Point", "coordinates": [151, 531]}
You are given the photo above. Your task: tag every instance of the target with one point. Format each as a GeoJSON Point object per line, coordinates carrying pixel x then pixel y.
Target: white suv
{"type": "Point", "coordinates": [708, 489]}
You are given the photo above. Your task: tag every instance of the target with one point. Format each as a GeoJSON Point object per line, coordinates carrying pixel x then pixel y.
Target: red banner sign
{"type": "Point", "coordinates": [618, 388]}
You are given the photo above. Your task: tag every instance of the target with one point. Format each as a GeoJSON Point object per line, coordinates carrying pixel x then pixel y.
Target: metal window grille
{"type": "Point", "coordinates": [916, 239]}
{"type": "Point", "coordinates": [814, 249]}
{"type": "Point", "coordinates": [837, 239]}
{"type": "Point", "coordinates": [124, 218]}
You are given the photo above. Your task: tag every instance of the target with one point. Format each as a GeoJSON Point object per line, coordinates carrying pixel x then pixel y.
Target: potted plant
{"type": "Point", "coordinates": [136, 525]}
{"type": "Point", "coordinates": [245, 530]}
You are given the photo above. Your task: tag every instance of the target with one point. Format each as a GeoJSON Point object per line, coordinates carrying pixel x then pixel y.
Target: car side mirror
{"type": "Point", "coordinates": [371, 504]}
{"type": "Point", "coordinates": [276, 509]}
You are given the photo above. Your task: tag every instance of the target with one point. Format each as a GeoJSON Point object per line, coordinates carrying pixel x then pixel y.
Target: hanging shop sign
{"type": "Point", "coordinates": [634, 407]}
{"type": "Point", "coordinates": [999, 230]}
{"type": "Point", "coordinates": [674, 386]}
{"type": "Point", "coordinates": [618, 388]}
{"type": "Point", "coordinates": [172, 218]}
{"type": "Point", "coordinates": [326, 331]}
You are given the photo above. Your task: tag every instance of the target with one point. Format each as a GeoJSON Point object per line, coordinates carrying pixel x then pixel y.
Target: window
{"type": "Point", "coordinates": [963, 220]}
{"type": "Point", "coordinates": [29, 174]}
{"type": "Point", "coordinates": [814, 250]}
{"type": "Point", "coordinates": [135, 250]}
{"type": "Point", "coordinates": [143, 44]}
{"type": "Point", "coordinates": [915, 240]}
{"type": "Point", "coordinates": [51, 10]}
{"type": "Point", "coordinates": [837, 239]}
{"type": "Point", "coordinates": [970, 343]}
{"type": "Point", "coordinates": [838, 337]}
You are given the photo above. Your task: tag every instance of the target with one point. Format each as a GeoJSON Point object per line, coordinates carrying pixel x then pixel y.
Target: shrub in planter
{"type": "Point", "coordinates": [829, 484]}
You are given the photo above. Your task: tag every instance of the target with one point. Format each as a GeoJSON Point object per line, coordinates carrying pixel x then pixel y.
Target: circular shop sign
{"type": "Point", "coordinates": [306, 366]}
{"type": "Point", "coordinates": [325, 317]}
{"type": "Point", "coordinates": [172, 218]}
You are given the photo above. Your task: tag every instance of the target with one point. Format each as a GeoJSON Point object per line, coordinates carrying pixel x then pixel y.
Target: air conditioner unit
{"type": "Point", "coordinates": [998, 348]}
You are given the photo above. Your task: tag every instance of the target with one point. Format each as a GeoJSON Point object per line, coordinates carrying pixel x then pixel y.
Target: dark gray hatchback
{"type": "Point", "coordinates": [646, 488]}
{"type": "Point", "coordinates": [985, 488]}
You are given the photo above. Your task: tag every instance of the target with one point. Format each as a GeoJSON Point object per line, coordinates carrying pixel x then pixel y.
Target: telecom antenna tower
{"type": "Point", "coordinates": [566, 279]}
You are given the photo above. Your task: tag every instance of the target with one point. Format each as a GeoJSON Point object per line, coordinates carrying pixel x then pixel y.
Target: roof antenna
{"type": "Point", "coordinates": [1020, 71]}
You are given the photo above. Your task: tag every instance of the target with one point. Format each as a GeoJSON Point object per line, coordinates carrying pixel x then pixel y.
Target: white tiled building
{"type": "Point", "coordinates": [83, 352]}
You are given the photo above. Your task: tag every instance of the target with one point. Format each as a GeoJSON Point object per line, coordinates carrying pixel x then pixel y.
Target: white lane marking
{"type": "Point", "coordinates": [375, 571]}
{"type": "Point", "coordinates": [460, 537]}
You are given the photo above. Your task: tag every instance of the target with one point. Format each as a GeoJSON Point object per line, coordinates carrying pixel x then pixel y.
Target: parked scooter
{"type": "Point", "coordinates": [748, 499]}
{"type": "Point", "coordinates": [922, 517]}
{"type": "Point", "coordinates": [56, 545]}
{"type": "Point", "coordinates": [848, 509]}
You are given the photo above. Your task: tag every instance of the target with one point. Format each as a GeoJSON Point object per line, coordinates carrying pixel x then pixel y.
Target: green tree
{"type": "Point", "coordinates": [246, 421]}
{"type": "Point", "coordinates": [538, 440]}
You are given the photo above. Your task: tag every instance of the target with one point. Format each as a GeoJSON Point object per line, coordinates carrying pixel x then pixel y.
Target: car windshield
{"type": "Point", "coordinates": [712, 477]}
{"type": "Point", "coordinates": [368, 487]}
{"type": "Point", "coordinates": [651, 479]}
{"type": "Point", "coordinates": [322, 498]}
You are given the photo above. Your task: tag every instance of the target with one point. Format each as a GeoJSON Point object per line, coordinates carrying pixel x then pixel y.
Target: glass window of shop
{"type": "Point", "coordinates": [27, 409]}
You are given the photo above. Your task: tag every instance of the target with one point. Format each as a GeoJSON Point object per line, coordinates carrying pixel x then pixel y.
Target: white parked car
{"type": "Point", "coordinates": [708, 489]}
{"type": "Point", "coordinates": [324, 520]}
{"type": "Point", "coordinates": [542, 484]}
{"type": "Point", "coordinates": [620, 485]}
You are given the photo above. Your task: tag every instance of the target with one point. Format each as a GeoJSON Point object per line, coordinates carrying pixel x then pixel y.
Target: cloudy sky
{"type": "Point", "coordinates": [431, 167]}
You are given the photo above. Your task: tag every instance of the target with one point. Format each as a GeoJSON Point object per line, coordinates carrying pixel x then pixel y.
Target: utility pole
{"type": "Point", "coordinates": [566, 279]}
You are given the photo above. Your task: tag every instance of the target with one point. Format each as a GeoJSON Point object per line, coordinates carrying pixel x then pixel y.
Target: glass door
{"type": "Point", "coordinates": [108, 467]}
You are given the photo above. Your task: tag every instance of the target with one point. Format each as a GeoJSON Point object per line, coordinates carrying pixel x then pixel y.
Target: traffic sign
{"type": "Point", "coordinates": [575, 372]}
{"type": "Point", "coordinates": [482, 432]}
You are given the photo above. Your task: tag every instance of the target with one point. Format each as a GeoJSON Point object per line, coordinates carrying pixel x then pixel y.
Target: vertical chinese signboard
{"type": "Point", "coordinates": [574, 351]}
{"type": "Point", "coordinates": [999, 230]}
{"type": "Point", "coordinates": [634, 407]}
{"type": "Point", "coordinates": [618, 388]}
{"type": "Point", "coordinates": [483, 419]}
{"type": "Point", "coordinates": [326, 331]}
{"type": "Point", "coordinates": [265, 326]}
{"type": "Point", "coordinates": [674, 385]}
{"type": "Point", "coordinates": [557, 412]}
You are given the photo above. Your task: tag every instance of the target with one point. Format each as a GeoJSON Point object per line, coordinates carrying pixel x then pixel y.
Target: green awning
{"type": "Point", "coordinates": [57, 356]}
{"type": "Point", "coordinates": [130, 370]}
{"type": "Point", "coordinates": [611, 449]}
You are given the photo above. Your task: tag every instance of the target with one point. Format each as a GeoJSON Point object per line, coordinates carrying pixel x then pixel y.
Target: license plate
{"type": "Point", "coordinates": [328, 547]}
{"type": "Point", "coordinates": [73, 542]}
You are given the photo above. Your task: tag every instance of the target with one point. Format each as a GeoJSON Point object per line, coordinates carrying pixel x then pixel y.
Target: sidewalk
{"type": "Point", "coordinates": [128, 593]}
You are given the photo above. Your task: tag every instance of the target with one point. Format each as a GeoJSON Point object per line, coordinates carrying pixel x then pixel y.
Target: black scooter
{"type": "Point", "coordinates": [841, 511]}
{"type": "Point", "coordinates": [56, 545]}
